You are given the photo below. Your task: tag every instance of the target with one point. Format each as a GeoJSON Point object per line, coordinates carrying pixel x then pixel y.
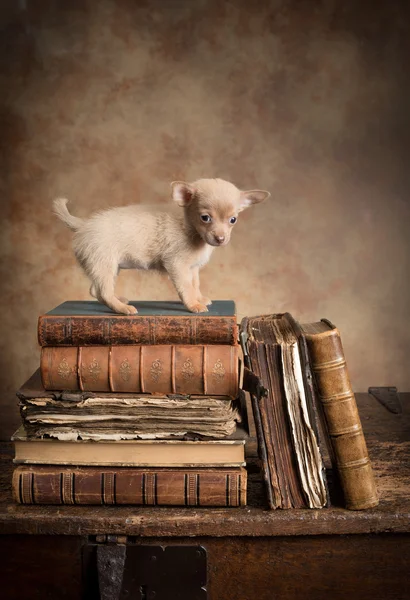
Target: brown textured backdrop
{"type": "Point", "coordinates": [109, 101]}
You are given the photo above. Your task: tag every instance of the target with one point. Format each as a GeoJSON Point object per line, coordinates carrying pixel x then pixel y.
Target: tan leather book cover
{"type": "Point", "coordinates": [341, 414]}
{"type": "Point", "coordinates": [143, 487]}
{"type": "Point", "coordinates": [226, 452]}
{"type": "Point", "coordinates": [89, 323]}
{"type": "Point", "coordinates": [208, 370]}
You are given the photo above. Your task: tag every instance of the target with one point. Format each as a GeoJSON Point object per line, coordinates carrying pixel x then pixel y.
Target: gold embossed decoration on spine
{"type": "Point", "coordinates": [58, 368]}
{"type": "Point", "coordinates": [94, 370]}
{"type": "Point", "coordinates": [188, 370]}
{"type": "Point", "coordinates": [221, 372]}
{"type": "Point", "coordinates": [125, 370]}
{"type": "Point", "coordinates": [189, 375]}
{"type": "Point", "coordinates": [156, 370]}
{"type": "Point", "coordinates": [218, 372]}
{"type": "Point", "coordinates": [64, 369]}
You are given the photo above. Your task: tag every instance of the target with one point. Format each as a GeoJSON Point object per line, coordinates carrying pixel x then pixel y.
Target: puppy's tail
{"type": "Point", "coordinates": [60, 209]}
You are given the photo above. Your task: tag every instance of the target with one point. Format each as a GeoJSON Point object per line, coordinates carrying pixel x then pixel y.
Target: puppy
{"type": "Point", "coordinates": [132, 237]}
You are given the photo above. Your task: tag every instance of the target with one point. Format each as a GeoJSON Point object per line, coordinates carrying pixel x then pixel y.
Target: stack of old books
{"type": "Point", "coordinates": [140, 409]}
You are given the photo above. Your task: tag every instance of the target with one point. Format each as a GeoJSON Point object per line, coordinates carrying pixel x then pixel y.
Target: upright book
{"type": "Point", "coordinates": [89, 323]}
{"type": "Point", "coordinates": [341, 414]}
{"type": "Point", "coordinates": [285, 414]}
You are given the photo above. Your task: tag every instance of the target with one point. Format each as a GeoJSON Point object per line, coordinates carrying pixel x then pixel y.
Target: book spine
{"type": "Point", "coordinates": [86, 485]}
{"type": "Point", "coordinates": [207, 370]}
{"type": "Point", "coordinates": [151, 330]}
{"type": "Point", "coordinates": [342, 419]}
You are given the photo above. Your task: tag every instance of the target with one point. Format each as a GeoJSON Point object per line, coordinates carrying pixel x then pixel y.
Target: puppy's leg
{"type": "Point", "coordinates": [104, 284]}
{"type": "Point", "coordinates": [94, 294]}
{"type": "Point", "coordinates": [182, 280]}
{"type": "Point", "coordinates": [195, 282]}
{"type": "Point", "coordinates": [121, 298]}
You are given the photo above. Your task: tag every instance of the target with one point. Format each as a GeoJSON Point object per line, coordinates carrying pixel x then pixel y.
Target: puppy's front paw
{"type": "Point", "coordinates": [130, 310]}
{"type": "Point", "coordinates": [197, 308]}
{"type": "Point", "coordinates": [205, 300]}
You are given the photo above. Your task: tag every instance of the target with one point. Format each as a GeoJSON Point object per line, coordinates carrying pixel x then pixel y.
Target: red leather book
{"type": "Point", "coordinates": [208, 370]}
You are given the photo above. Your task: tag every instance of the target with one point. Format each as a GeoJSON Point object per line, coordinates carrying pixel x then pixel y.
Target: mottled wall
{"type": "Point", "coordinates": [109, 101]}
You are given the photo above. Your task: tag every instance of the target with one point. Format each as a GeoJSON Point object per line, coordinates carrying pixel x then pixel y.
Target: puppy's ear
{"type": "Point", "coordinates": [182, 193]}
{"type": "Point", "coordinates": [252, 197]}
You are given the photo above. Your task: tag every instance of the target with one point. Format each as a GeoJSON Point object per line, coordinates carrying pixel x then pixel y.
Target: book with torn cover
{"type": "Point", "coordinates": [285, 412]}
{"type": "Point", "coordinates": [93, 415]}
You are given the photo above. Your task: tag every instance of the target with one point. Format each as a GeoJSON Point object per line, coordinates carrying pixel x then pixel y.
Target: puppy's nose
{"type": "Point", "coordinates": [220, 239]}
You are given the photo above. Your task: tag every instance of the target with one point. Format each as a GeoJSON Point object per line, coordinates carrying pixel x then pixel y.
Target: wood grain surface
{"type": "Point", "coordinates": [388, 438]}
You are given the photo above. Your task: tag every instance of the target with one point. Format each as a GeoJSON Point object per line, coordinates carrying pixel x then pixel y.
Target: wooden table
{"type": "Point", "coordinates": [251, 552]}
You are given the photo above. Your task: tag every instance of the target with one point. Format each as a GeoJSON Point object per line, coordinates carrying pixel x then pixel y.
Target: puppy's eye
{"type": "Point", "coordinates": [206, 218]}
{"type": "Point", "coordinates": [233, 220]}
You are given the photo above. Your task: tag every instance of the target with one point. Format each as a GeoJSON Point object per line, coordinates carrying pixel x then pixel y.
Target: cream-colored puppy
{"type": "Point", "coordinates": [132, 237]}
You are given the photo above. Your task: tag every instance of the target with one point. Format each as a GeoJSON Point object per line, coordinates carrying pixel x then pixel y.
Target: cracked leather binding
{"type": "Point", "coordinates": [89, 323]}
{"type": "Point", "coordinates": [284, 406]}
{"type": "Point", "coordinates": [341, 414]}
{"type": "Point", "coordinates": [216, 487]}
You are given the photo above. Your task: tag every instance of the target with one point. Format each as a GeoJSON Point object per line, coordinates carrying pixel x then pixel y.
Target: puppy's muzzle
{"type": "Point", "coordinates": [219, 239]}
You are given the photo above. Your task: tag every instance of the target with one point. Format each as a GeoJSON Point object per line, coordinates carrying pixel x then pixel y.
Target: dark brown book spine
{"type": "Point", "coordinates": [151, 330]}
{"type": "Point", "coordinates": [208, 370]}
{"type": "Point", "coordinates": [288, 438]}
{"type": "Point", "coordinates": [142, 487]}
{"type": "Point", "coordinates": [342, 419]}
{"type": "Point", "coordinates": [251, 383]}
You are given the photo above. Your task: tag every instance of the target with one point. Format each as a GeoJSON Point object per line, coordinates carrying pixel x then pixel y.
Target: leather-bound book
{"type": "Point", "coordinates": [341, 414]}
{"type": "Point", "coordinates": [208, 370]}
{"type": "Point", "coordinates": [150, 487]}
{"type": "Point", "coordinates": [285, 411]}
{"type": "Point", "coordinates": [89, 323]}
